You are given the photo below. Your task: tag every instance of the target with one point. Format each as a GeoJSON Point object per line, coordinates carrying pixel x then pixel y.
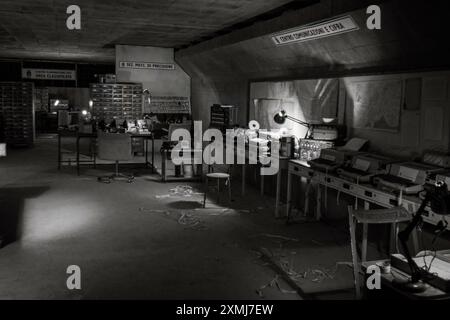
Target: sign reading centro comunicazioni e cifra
{"type": "Point", "coordinates": [324, 29]}
{"type": "Point", "coordinates": [146, 65]}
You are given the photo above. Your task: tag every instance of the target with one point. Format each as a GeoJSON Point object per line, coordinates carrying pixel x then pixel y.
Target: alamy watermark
{"type": "Point", "coordinates": [216, 152]}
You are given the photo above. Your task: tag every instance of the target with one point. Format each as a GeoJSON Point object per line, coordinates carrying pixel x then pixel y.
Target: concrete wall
{"type": "Point", "coordinates": [159, 82]}
{"type": "Point", "coordinates": [222, 68]}
{"type": "Point", "coordinates": [424, 129]}
{"type": "Point", "coordinates": [207, 91]}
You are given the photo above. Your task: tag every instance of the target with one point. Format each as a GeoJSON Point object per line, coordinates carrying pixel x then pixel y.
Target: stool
{"type": "Point", "coordinates": [378, 216]}
{"type": "Point", "coordinates": [219, 176]}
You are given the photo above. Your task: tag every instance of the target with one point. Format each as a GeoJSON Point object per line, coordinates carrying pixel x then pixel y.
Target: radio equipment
{"type": "Point", "coordinates": [363, 167]}
{"type": "Point", "coordinates": [408, 177]}
{"type": "Point", "coordinates": [310, 149]}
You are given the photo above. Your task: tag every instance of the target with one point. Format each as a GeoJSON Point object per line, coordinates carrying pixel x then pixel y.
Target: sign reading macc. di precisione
{"type": "Point", "coordinates": [324, 29]}
{"type": "Point", "coordinates": [146, 65]}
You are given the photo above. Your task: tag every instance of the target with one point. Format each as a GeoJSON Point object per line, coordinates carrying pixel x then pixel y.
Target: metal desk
{"type": "Point", "coordinates": [365, 192]}
{"type": "Point", "coordinates": [79, 135]}
{"type": "Point", "coordinates": [194, 152]}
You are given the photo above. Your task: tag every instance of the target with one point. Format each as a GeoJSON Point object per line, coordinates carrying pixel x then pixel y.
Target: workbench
{"type": "Point", "coordinates": [93, 136]}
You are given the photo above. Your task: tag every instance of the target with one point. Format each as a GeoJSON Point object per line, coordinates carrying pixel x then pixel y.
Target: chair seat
{"type": "Point", "coordinates": [393, 215]}
{"type": "Point", "coordinates": [218, 175]}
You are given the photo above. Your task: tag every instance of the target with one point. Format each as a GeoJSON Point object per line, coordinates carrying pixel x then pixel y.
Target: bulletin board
{"type": "Point", "coordinates": [375, 104]}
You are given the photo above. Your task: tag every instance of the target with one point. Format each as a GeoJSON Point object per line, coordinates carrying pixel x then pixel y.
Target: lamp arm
{"type": "Point", "coordinates": [416, 272]}
{"type": "Point", "coordinates": [298, 121]}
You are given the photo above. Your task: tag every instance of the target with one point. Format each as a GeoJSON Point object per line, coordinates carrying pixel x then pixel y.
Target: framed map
{"type": "Point", "coordinates": [375, 104]}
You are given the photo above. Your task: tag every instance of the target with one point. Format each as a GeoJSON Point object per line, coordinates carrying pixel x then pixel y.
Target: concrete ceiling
{"type": "Point", "coordinates": [412, 36]}
{"type": "Point", "coordinates": [36, 29]}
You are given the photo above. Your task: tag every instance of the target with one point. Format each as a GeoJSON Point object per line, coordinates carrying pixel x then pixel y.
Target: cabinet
{"type": "Point", "coordinates": [17, 113]}
{"type": "Point", "coordinates": [118, 101]}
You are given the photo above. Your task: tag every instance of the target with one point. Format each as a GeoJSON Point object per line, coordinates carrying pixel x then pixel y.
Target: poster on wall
{"type": "Point", "coordinates": [375, 104]}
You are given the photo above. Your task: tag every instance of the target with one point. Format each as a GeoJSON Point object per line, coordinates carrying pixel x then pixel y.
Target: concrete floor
{"type": "Point", "coordinates": [132, 241]}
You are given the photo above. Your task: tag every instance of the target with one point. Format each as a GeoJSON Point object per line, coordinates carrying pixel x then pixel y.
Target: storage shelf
{"type": "Point", "coordinates": [116, 101]}
{"type": "Point", "coordinates": [17, 112]}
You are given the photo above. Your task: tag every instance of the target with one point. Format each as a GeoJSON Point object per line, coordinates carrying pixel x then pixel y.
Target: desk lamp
{"type": "Point", "coordinates": [438, 198]}
{"type": "Point", "coordinates": [280, 118]}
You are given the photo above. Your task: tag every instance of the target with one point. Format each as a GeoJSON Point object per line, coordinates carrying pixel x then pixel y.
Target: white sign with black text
{"type": "Point", "coordinates": [316, 31]}
{"type": "Point", "coordinates": [146, 65]}
{"type": "Point", "coordinates": [48, 74]}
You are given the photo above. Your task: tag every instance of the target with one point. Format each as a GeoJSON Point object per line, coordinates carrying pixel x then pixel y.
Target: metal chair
{"type": "Point", "coordinates": [378, 216]}
{"type": "Point", "coordinates": [114, 147]}
{"type": "Point", "coordinates": [219, 176]}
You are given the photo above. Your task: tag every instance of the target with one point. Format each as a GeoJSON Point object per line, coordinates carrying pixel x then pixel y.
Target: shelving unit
{"type": "Point", "coordinates": [17, 113]}
{"type": "Point", "coordinates": [41, 99]}
{"type": "Point", "coordinates": [223, 117]}
{"type": "Point", "coordinates": [116, 101]}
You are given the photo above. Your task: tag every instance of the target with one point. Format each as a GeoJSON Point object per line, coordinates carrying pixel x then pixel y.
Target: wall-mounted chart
{"type": "Point", "coordinates": [375, 104]}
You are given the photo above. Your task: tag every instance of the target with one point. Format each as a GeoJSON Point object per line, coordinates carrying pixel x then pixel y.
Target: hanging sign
{"type": "Point", "coordinates": [48, 74]}
{"type": "Point", "coordinates": [316, 31]}
{"type": "Point", "coordinates": [146, 65]}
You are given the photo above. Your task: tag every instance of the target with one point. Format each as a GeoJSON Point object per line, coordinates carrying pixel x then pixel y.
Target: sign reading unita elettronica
{"type": "Point", "coordinates": [316, 31]}
{"type": "Point", "coordinates": [146, 65]}
{"type": "Point", "coordinates": [48, 74]}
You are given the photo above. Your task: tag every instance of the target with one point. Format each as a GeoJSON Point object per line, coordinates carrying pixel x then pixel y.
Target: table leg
{"type": "Point", "coordinates": [392, 238]}
{"type": "Point", "coordinates": [95, 152]}
{"type": "Point", "coordinates": [262, 183]}
{"type": "Point", "coordinates": [288, 199]}
{"type": "Point", "coordinates": [153, 154]}
{"type": "Point", "coordinates": [163, 165]}
{"type": "Point", "coordinates": [364, 242]}
{"type": "Point", "coordinates": [243, 179]}
{"type": "Point", "coordinates": [146, 152]}
{"type": "Point", "coordinates": [277, 199]}
{"type": "Point", "coordinates": [307, 189]}
{"type": "Point", "coordinates": [319, 203]}
{"type": "Point", "coordinates": [78, 155]}
{"type": "Point", "coordinates": [59, 152]}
